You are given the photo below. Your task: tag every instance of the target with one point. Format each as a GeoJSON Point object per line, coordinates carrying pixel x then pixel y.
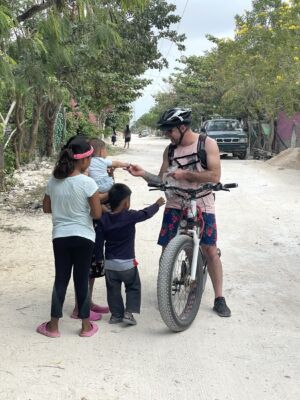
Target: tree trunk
{"type": "Point", "coordinates": [271, 136]}
{"type": "Point", "coordinates": [36, 115]}
{"type": "Point", "coordinates": [20, 134]}
{"type": "Point", "coordinates": [17, 155]}
{"type": "Point", "coordinates": [2, 186]}
{"type": "Point", "coordinates": [4, 122]}
{"type": "Point", "coordinates": [50, 113]}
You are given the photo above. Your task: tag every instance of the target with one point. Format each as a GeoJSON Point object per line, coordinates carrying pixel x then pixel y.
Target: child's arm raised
{"type": "Point", "coordinates": [119, 164]}
{"type": "Point", "coordinates": [148, 212]}
{"type": "Point", "coordinates": [161, 201]}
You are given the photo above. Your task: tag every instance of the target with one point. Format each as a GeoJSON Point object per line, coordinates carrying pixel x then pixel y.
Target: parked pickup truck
{"type": "Point", "coordinates": [229, 136]}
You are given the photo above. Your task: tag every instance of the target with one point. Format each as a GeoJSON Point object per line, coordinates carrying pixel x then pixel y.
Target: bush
{"type": "Point", "coordinates": [9, 161]}
{"type": "Point", "coordinates": [80, 125]}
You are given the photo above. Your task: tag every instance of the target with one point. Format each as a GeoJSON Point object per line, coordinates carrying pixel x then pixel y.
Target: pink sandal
{"type": "Point", "coordinates": [93, 316]}
{"type": "Point", "coordinates": [100, 309]}
{"type": "Point", "coordinates": [91, 332]}
{"type": "Point", "coordinates": [42, 329]}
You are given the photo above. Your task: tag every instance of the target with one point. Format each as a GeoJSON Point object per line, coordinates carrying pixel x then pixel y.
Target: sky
{"type": "Point", "coordinates": [199, 17]}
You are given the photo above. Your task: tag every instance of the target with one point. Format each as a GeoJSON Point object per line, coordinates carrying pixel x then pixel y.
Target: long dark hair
{"type": "Point", "coordinates": [65, 164]}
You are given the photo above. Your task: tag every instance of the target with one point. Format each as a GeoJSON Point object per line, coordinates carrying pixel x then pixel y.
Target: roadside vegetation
{"type": "Point", "coordinates": [250, 77]}
{"type": "Point", "coordinates": [73, 66]}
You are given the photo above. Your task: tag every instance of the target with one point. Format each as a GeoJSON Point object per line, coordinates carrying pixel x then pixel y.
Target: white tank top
{"type": "Point", "coordinates": [206, 203]}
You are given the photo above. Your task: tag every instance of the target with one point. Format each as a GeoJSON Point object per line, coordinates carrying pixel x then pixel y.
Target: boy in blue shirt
{"type": "Point", "coordinates": [118, 228]}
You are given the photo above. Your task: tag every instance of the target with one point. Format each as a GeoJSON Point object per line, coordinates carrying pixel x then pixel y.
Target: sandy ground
{"type": "Point", "coordinates": [251, 356]}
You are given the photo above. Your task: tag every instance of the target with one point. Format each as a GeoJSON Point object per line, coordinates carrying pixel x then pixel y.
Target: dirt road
{"type": "Point", "coordinates": [254, 355]}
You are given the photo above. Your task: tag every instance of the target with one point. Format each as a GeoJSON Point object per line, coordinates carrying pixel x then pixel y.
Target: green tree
{"type": "Point", "coordinates": [93, 51]}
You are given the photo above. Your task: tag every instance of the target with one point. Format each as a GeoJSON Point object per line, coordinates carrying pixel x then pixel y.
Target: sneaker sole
{"type": "Point", "coordinates": [129, 322]}
{"type": "Point", "coordinates": [115, 322]}
{"type": "Point", "coordinates": [222, 315]}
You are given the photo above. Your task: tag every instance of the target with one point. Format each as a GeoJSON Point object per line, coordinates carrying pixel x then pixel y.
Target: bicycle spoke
{"type": "Point", "coordinates": [181, 289]}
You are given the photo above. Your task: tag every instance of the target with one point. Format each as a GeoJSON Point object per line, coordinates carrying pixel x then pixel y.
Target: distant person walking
{"type": "Point", "coordinates": [114, 136]}
{"type": "Point", "coordinates": [127, 136]}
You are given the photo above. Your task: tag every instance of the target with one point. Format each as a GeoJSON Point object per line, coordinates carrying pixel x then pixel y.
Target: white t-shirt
{"type": "Point", "coordinates": [70, 206]}
{"type": "Point", "coordinates": [98, 171]}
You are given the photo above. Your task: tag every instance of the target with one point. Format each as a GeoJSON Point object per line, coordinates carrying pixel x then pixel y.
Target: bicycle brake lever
{"type": "Point", "coordinates": [155, 185]}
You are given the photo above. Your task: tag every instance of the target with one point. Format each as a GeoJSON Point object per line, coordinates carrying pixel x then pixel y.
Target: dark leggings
{"type": "Point", "coordinates": [72, 251]}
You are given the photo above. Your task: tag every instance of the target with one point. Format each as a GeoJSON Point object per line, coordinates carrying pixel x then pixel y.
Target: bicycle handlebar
{"type": "Point", "coordinates": [205, 186]}
{"type": "Point", "coordinates": [230, 185]}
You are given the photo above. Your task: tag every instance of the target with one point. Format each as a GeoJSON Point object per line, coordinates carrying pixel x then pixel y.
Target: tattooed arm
{"type": "Point", "coordinates": [137, 170]}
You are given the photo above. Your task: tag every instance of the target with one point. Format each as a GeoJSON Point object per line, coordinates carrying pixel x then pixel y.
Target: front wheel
{"type": "Point", "coordinates": [179, 298]}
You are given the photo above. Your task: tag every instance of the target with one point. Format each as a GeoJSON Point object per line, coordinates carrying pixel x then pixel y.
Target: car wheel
{"type": "Point", "coordinates": [242, 156]}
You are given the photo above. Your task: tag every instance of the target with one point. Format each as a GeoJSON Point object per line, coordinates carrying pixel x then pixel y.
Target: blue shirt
{"type": "Point", "coordinates": [70, 206]}
{"type": "Point", "coordinates": [98, 171]}
{"type": "Point", "coordinates": [119, 231]}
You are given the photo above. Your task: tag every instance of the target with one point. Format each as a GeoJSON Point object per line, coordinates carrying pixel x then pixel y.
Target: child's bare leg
{"type": "Point", "coordinates": [86, 325]}
{"type": "Point", "coordinates": [91, 289]}
{"type": "Point", "coordinates": [95, 307]}
{"type": "Point", "coordinates": [52, 325]}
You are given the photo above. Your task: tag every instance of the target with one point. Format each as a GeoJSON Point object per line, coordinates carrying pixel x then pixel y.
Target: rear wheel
{"type": "Point", "coordinates": [179, 298]}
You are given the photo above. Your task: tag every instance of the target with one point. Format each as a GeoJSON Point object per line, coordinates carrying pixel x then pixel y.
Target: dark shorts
{"type": "Point", "coordinates": [170, 225]}
{"type": "Point", "coordinates": [127, 139]}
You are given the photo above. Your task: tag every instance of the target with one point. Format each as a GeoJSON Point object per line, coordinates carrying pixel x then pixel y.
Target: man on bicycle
{"type": "Point", "coordinates": [188, 161]}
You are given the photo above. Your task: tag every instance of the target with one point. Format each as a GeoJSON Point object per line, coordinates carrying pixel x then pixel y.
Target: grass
{"type": "Point", "coordinates": [29, 198]}
{"type": "Point", "coordinates": [114, 150]}
{"type": "Point", "coordinates": [13, 229]}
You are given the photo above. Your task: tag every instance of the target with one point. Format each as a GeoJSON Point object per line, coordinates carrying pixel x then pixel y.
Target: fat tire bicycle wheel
{"type": "Point", "coordinates": [179, 299]}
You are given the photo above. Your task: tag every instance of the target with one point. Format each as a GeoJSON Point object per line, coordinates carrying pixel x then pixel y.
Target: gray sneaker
{"type": "Point", "coordinates": [129, 318]}
{"type": "Point", "coordinates": [115, 320]}
{"type": "Point", "coordinates": [221, 308]}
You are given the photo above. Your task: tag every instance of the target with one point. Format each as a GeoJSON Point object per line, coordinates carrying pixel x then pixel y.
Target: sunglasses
{"type": "Point", "coordinates": [168, 131]}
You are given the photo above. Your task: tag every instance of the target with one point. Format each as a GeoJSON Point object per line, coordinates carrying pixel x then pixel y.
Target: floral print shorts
{"type": "Point", "coordinates": [170, 225]}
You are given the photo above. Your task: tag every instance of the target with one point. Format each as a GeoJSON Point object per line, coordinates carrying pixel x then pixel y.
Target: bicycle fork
{"type": "Point", "coordinates": [192, 213]}
{"type": "Point", "coordinates": [195, 253]}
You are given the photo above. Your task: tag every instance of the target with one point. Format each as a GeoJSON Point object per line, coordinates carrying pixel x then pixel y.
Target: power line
{"type": "Point", "coordinates": [171, 45]}
{"type": "Point", "coordinates": [183, 12]}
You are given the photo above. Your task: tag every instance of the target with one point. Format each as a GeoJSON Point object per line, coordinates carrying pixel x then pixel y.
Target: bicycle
{"type": "Point", "coordinates": [182, 267]}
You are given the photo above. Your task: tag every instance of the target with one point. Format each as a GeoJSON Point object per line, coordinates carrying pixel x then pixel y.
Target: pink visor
{"type": "Point", "coordinates": [84, 155]}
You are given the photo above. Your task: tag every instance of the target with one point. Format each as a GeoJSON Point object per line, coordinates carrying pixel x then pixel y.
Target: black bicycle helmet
{"type": "Point", "coordinates": [175, 117]}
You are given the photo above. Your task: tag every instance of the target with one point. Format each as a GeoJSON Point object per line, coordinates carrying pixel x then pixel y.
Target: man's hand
{"type": "Point", "coordinates": [161, 201]}
{"type": "Point", "coordinates": [136, 170]}
{"type": "Point", "coordinates": [178, 174]}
